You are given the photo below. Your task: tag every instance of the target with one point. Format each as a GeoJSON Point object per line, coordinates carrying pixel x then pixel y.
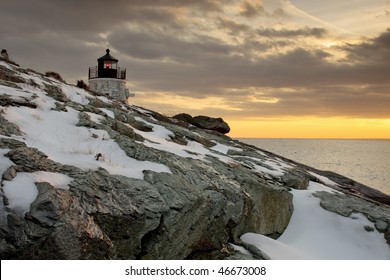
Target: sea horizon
{"type": "Point", "coordinates": [363, 160]}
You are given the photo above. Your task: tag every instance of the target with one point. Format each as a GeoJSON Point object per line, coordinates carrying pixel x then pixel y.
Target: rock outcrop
{"type": "Point", "coordinates": [158, 190]}
{"type": "Point", "coordinates": [205, 122]}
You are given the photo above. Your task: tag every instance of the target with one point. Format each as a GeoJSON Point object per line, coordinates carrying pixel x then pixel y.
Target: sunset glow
{"type": "Point", "coordinates": [312, 128]}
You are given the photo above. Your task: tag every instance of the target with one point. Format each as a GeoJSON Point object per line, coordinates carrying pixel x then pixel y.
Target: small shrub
{"type": "Point", "coordinates": [54, 75]}
{"type": "Point", "coordinates": [82, 84]}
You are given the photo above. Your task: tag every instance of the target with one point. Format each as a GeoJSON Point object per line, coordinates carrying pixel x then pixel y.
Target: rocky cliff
{"type": "Point", "coordinates": [87, 177]}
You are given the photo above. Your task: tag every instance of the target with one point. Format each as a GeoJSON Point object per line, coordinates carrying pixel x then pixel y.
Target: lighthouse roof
{"type": "Point", "coordinates": [107, 56]}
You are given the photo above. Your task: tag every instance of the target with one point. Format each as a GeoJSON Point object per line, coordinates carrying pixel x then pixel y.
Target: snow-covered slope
{"type": "Point", "coordinates": [314, 233]}
{"type": "Point", "coordinates": [119, 181]}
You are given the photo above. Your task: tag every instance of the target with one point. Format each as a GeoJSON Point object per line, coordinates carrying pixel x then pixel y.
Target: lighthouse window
{"type": "Point", "coordinates": [109, 65]}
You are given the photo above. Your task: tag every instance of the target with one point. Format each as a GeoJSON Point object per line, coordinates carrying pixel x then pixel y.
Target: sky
{"type": "Point", "coordinates": [270, 69]}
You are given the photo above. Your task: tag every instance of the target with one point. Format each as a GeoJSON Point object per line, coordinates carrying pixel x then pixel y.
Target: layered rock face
{"type": "Point", "coordinates": [157, 190]}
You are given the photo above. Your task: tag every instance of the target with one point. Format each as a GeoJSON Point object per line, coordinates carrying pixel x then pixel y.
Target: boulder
{"type": "Point", "coordinates": [184, 117]}
{"type": "Point", "coordinates": [217, 124]}
{"type": "Point", "coordinates": [297, 179]}
{"type": "Point", "coordinates": [205, 122]}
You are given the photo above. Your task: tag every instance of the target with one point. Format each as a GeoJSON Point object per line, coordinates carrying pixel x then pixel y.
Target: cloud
{"type": "Point", "coordinates": [91, 15]}
{"type": "Point", "coordinates": [375, 51]}
{"type": "Point", "coordinates": [158, 45]}
{"type": "Point", "coordinates": [288, 33]}
{"type": "Point", "coordinates": [239, 58]}
{"type": "Point", "coordinates": [232, 27]}
{"type": "Point", "coordinates": [251, 10]}
{"type": "Point", "coordinates": [301, 82]}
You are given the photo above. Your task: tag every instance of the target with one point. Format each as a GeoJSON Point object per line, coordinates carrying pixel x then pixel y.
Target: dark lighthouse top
{"type": "Point", "coordinates": [107, 68]}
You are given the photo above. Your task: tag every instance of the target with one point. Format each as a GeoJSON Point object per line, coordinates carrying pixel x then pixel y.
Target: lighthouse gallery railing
{"type": "Point", "coordinates": [120, 73]}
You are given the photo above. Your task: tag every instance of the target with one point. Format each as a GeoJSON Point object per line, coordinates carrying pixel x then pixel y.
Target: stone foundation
{"type": "Point", "coordinates": [115, 88]}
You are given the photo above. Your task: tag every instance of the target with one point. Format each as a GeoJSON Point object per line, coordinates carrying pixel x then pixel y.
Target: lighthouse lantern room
{"type": "Point", "coordinates": [108, 78]}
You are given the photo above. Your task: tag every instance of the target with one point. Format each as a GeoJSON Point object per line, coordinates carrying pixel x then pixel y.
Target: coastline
{"type": "Point", "coordinates": [350, 186]}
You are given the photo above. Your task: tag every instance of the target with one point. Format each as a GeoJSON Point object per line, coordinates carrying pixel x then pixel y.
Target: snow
{"type": "Point", "coordinates": [275, 249]}
{"type": "Point", "coordinates": [240, 249]}
{"type": "Point", "coordinates": [108, 112]}
{"type": "Point", "coordinates": [14, 92]}
{"type": "Point", "coordinates": [224, 148]}
{"type": "Point", "coordinates": [278, 172]}
{"type": "Point", "coordinates": [21, 192]}
{"type": "Point", "coordinates": [7, 65]}
{"type": "Point", "coordinates": [32, 76]}
{"type": "Point", "coordinates": [95, 117]}
{"type": "Point", "coordinates": [315, 233]}
{"type": "Point", "coordinates": [324, 179]}
{"type": "Point", "coordinates": [56, 134]}
{"type": "Point", "coordinates": [159, 138]}
{"type": "Point", "coordinates": [274, 167]}
{"type": "Point", "coordinates": [104, 99]}
{"type": "Point", "coordinates": [75, 94]}
{"type": "Point", "coordinates": [159, 132]}
{"type": "Point", "coordinates": [57, 180]}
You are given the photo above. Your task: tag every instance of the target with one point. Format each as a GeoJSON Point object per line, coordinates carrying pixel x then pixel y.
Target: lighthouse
{"type": "Point", "coordinates": [109, 79]}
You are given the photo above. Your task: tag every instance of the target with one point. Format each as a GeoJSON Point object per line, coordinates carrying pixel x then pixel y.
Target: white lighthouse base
{"type": "Point", "coordinates": [115, 88]}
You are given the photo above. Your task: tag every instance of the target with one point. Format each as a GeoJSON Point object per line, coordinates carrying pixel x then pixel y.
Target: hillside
{"type": "Point", "coordinates": [87, 177]}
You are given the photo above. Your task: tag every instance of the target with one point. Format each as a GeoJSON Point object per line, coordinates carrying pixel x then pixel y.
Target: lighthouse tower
{"type": "Point", "coordinates": [108, 78]}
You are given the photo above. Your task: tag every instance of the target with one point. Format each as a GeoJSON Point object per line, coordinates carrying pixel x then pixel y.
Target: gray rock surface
{"type": "Point", "coordinates": [7, 128]}
{"type": "Point", "coordinates": [164, 216]}
{"type": "Point", "coordinates": [297, 179]}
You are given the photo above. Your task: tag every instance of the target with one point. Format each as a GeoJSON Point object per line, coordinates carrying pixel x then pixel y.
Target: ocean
{"type": "Point", "coordinates": [365, 161]}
